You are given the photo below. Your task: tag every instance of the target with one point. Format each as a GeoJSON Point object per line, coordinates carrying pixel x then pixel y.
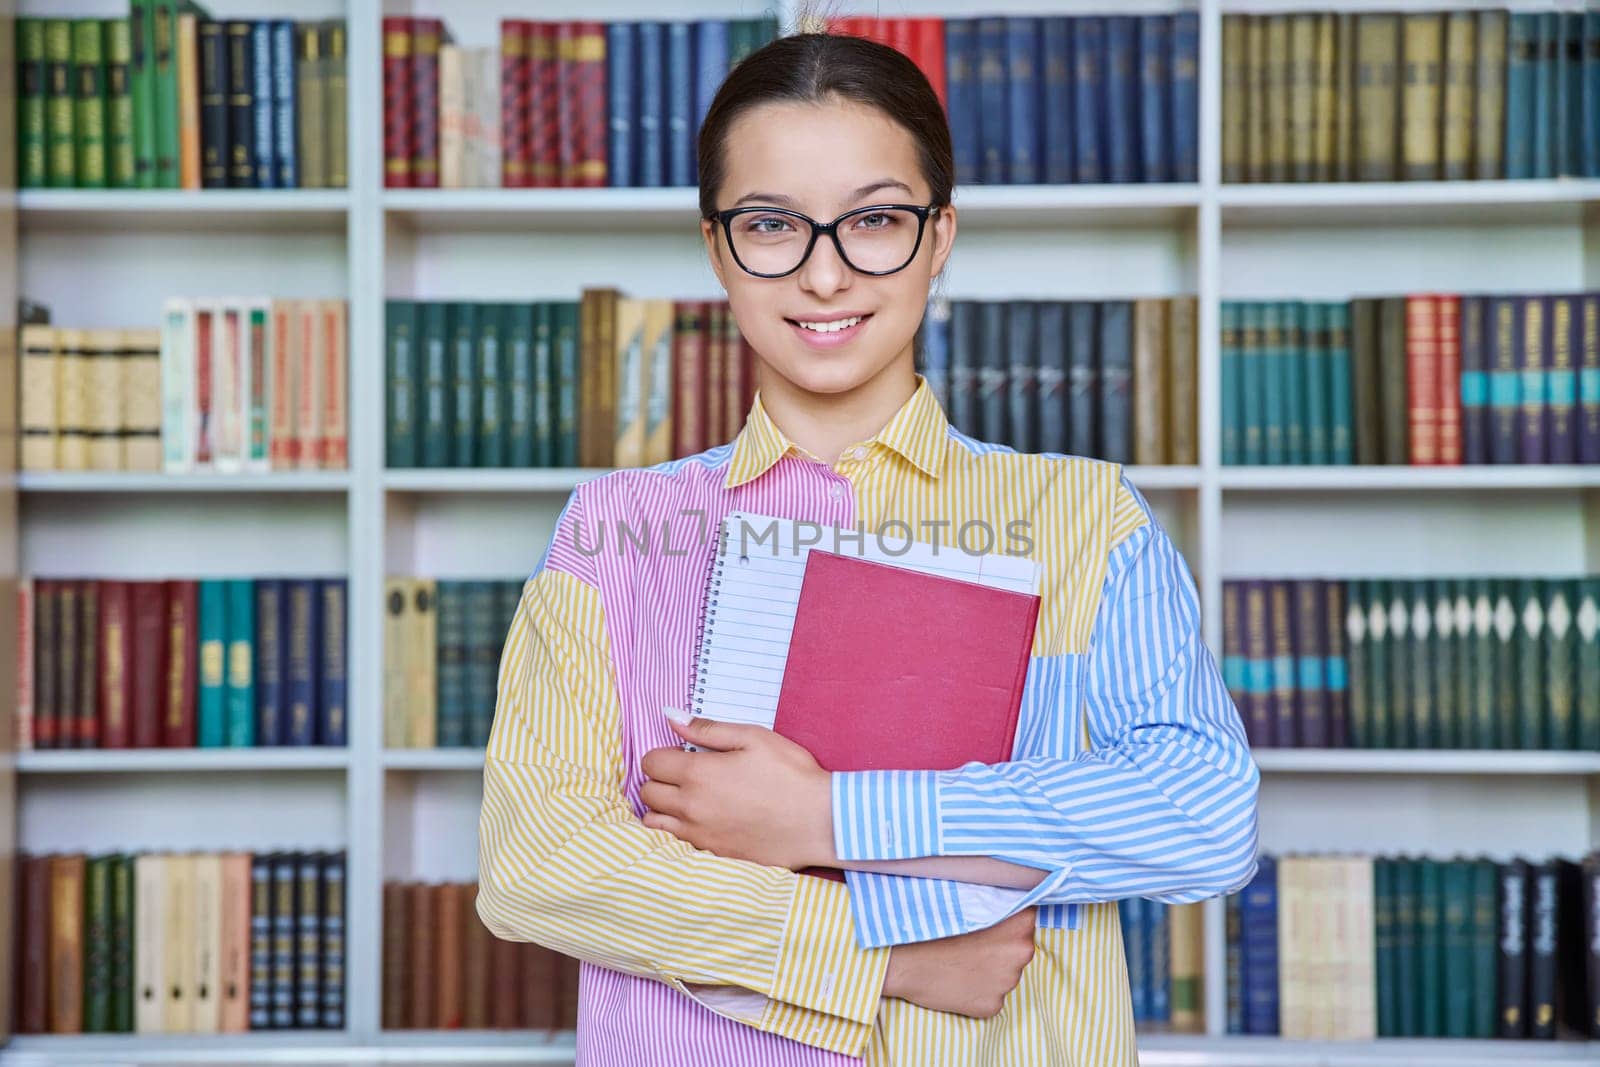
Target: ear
{"type": "Point", "coordinates": [708, 233]}
{"type": "Point", "coordinates": [944, 237]}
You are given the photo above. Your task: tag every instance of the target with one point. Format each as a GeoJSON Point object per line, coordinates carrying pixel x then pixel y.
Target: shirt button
{"type": "Point", "coordinates": [836, 490]}
{"type": "Point", "coordinates": [857, 453]}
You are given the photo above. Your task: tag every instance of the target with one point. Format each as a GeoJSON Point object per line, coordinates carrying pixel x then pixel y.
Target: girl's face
{"type": "Point", "coordinates": [824, 160]}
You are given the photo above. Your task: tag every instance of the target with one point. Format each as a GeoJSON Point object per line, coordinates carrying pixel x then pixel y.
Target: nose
{"type": "Point", "coordinates": [824, 273]}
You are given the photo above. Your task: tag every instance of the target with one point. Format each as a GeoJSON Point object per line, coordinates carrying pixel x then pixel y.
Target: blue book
{"type": "Point", "coordinates": [1522, 56]}
{"type": "Point", "coordinates": [1022, 100]}
{"type": "Point", "coordinates": [211, 727]}
{"type": "Point", "coordinates": [961, 94]}
{"type": "Point", "coordinates": [1562, 350]}
{"type": "Point", "coordinates": [710, 68]}
{"type": "Point", "coordinates": [1258, 922]}
{"type": "Point", "coordinates": [680, 104]}
{"type": "Point", "coordinates": [652, 114]}
{"type": "Point", "coordinates": [1088, 89]}
{"type": "Point", "coordinates": [1135, 930]}
{"type": "Point", "coordinates": [1503, 339]}
{"type": "Point", "coordinates": [262, 123]}
{"type": "Point", "coordinates": [1591, 93]}
{"type": "Point", "coordinates": [1116, 381]}
{"type": "Point", "coordinates": [1341, 407]}
{"type": "Point", "coordinates": [963, 407]}
{"type": "Point", "coordinates": [1314, 393]}
{"type": "Point", "coordinates": [1083, 377]}
{"type": "Point", "coordinates": [1122, 99]}
{"type": "Point", "coordinates": [1230, 316]}
{"type": "Point", "coordinates": [1296, 381]}
{"type": "Point", "coordinates": [622, 103]}
{"type": "Point", "coordinates": [304, 627]}
{"type": "Point", "coordinates": [936, 349]}
{"type": "Point", "coordinates": [1547, 95]}
{"type": "Point", "coordinates": [1589, 378]}
{"type": "Point", "coordinates": [1571, 129]}
{"type": "Point", "coordinates": [272, 661]}
{"type": "Point", "coordinates": [1155, 100]}
{"type": "Point", "coordinates": [1185, 116]}
{"type": "Point", "coordinates": [1474, 382]}
{"type": "Point", "coordinates": [1056, 47]}
{"type": "Point", "coordinates": [332, 721]}
{"type": "Point", "coordinates": [285, 105]}
{"type": "Point", "coordinates": [1022, 377]}
{"type": "Point", "coordinates": [240, 668]}
{"type": "Point", "coordinates": [1275, 359]}
{"type": "Point", "coordinates": [1252, 384]}
{"type": "Point", "coordinates": [1534, 365]}
{"type": "Point", "coordinates": [1157, 944]}
{"type": "Point", "coordinates": [994, 136]}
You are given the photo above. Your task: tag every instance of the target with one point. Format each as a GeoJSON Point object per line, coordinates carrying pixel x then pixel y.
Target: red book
{"type": "Point", "coordinates": [900, 35]}
{"type": "Point", "coordinates": [733, 411]}
{"type": "Point", "coordinates": [929, 53]}
{"type": "Point", "coordinates": [1422, 379]}
{"type": "Point", "coordinates": [893, 669]}
{"type": "Point", "coordinates": [149, 662]}
{"type": "Point", "coordinates": [426, 37]}
{"type": "Point", "coordinates": [567, 118]}
{"type": "Point", "coordinates": [689, 377]}
{"type": "Point", "coordinates": [47, 651]}
{"type": "Point", "coordinates": [514, 75]}
{"type": "Point", "coordinates": [716, 372]}
{"type": "Point", "coordinates": [183, 678]}
{"type": "Point", "coordinates": [116, 656]}
{"type": "Point", "coordinates": [1449, 333]}
{"type": "Point", "coordinates": [544, 106]}
{"type": "Point", "coordinates": [396, 103]}
{"type": "Point", "coordinates": [592, 122]}
{"type": "Point", "coordinates": [747, 376]}
{"type": "Point", "coordinates": [33, 956]}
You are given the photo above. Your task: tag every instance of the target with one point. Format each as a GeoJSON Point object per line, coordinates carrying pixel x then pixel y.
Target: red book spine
{"type": "Point", "coordinates": [1449, 320]}
{"type": "Point", "coordinates": [733, 410]}
{"type": "Point", "coordinates": [567, 117]}
{"type": "Point", "coordinates": [688, 371]}
{"type": "Point", "coordinates": [589, 107]}
{"type": "Point", "coordinates": [396, 103]}
{"type": "Point", "coordinates": [930, 54]}
{"type": "Point", "coordinates": [1422, 379]}
{"type": "Point", "coordinates": [34, 956]}
{"type": "Point", "coordinates": [513, 104]}
{"type": "Point", "coordinates": [544, 106]}
{"type": "Point", "coordinates": [716, 372]}
{"type": "Point", "coordinates": [747, 377]}
{"type": "Point", "coordinates": [426, 36]}
{"type": "Point", "coordinates": [149, 663]}
{"type": "Point", "coordinates": [47, 637]}
{"type": "Point", "coordinates": [182, 678]}
{"type": "Point", "coordinates": [116, 656]}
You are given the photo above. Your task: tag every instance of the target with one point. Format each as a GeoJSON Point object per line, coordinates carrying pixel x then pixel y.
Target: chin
{"type": "Point", "coordinates": [829, 377]}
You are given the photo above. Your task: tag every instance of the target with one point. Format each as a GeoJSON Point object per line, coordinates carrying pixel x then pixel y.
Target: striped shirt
{"type": "Point", "coordinates": [1130, 777]}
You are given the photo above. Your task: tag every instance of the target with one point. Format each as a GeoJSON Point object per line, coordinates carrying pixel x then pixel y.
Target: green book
{"type": "Point", "coordinates": [452, 652]}
{"type": "Point", "coordinates": [1483, 732]}
{"type": "Point", "coordinates": [1461, 594]}
{"type": "Point", "coordinates": [1530, 664]}
{"type": "Point", "coordinates": [1446, 723]}
{"type": "Point", "coordinates": [60, 105]}
{"type": "Point", "coordinates": [1384, 946]}
{"type": "Point", "coordinates": [1365, 377]}
{"type": "Point", "coordinates": [564, 351]}
{"type": "Point", "coordinates": [1358, 665]}
{"type": "Point", "coordinates": [1485, 949]}
{"type": "Point", "coordinates": [1424, 728]}
{"type": "Point", "coordinates": [1430, 947]}
{"type": "Point", "coordinates": [1275, 384]}
{"type": "Point", "coordinates": [122, 914]}
{"type": "Point", "coordinates": [1315, 393]}
{"type": "Point", "coordinates": [89, 103]}
{"type": "Point", "coordinates": [97, 945]}
{"type": "Point", "coordinates": [1506, 733]}
{"type": "Point", "coordinates": [211, 725]}
{"type": "Point", "coordinates": [165, 82]}
{"type": "Point", "coordinates": [545, 385]}
{"type": "Point", "coordinates": [1379, 654]}
{"type": "Point", "coordinates": [1587, 655]}
{"type": "Point", "coordinates": [142, 76]}
{"type": "Point", "coordinates": [1252, 383]}
{"type": "Point", "coordinates": [1455, 975]}
{"type": "Point", "coordinates": [33, 166]}
{"type": "Point", "coordinates": [241, 699]}
{"type": "Point", "coordinates": [463, 384]}
{"type": "Point", "coordinates": [1402, 718]}
{"type": "Point", "coordinates": [1292, 316]}
{"type": "Point", "coordinates": [1560, 681]}
{"type": "Point", "coordinates": [521, 444]}
{"type": "Point", "coordinates": [400, 355]}
{"type": "Point", "coordinates": [435, 364]}
{"type": "Point", "coordinates": [1407, 957]}
{"type": "Point", "coordinates": [491, 398]}
{"type": "Point", "coordinates": [1392, 379]}
{"type": "Point", "coordinates": [121, 163]}
{"type": "Point", "coordinates": [1230, 315]}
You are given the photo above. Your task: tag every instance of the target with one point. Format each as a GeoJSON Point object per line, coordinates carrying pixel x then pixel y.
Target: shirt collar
{"type": "Point", "coordinates": [917, 432]}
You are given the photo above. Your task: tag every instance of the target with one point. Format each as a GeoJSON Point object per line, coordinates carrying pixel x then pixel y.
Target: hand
{"type": "Point", "coordinates": [969, 974]}
{"type": "Point", "coordinates": [751, 795]}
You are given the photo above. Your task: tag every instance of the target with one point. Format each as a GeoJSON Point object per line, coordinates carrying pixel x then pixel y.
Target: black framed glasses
{"type": "Point", "coordinates": [773, 242]}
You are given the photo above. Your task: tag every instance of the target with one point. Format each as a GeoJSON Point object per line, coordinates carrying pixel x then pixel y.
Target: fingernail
{"type": "Point", "coordinates": [677, 715]}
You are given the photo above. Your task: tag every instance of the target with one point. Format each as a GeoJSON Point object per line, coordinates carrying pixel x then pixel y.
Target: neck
{"type": "Point", "coordinates": [825, 424]}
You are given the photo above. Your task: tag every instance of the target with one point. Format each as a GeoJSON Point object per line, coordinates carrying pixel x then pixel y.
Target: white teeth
{"type": "Point", "coordinates": [830, 327]}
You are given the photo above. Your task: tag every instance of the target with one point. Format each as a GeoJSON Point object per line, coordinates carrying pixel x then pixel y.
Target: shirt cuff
{"type": "Point", "coordinates": [886, 815]}
{"type": "Point", "coordinates": [821, 968]}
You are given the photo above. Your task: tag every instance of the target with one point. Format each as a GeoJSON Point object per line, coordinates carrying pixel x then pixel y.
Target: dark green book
{"type": "Point", "coordinates": [1506, 720]}
{"type": "Point", "coordinates": [89, 103]}
{"type": "Point", "coordinates": [1252, 383]}
{"type": "Point", "coordinates": [1461, 604]}
{"type": "Point", "coordinates": [451, 638]}
{"type": "Point", "coordinates": [1231, 314]}
{"type": "Point", "coordinates": [491, 395]}
{"type": "Point", "coordinates": [1402, 717]}
{"type": "Point", "coordinates": [435, 369]}
{"type": "Point", "coordinates": [97, 945]}
{"type": "Point", "coordinates": [121, 163]}
{"type": "Point", "coordinates": [1485, 949]}
{"type": "Point", "coordinates": [1379, 654]}
{"type": "Point", "coordinates": [1384, 946]}
{"type": "Point", "coordinates": [1430, 947]}
{"type": "Point", "coordinates": [1292, 314]}
{"type": "Point", "coordinates": [1392, 382]}
{"type": "Point", "coordinates": [564, 351]}
{"type": "Point", "coordinates": [521, 444]}
{"type": "Point", "coordinates": [400, 354]}
{"type": "Point", "coordinates": [60, 105]}
{"type": "Point", "coordinates": [486, 632]}
{"type": "Point", "coordinates": [1341, 415]}
{"type": "Point", "coordinates": [1530, 664]}
{"type": "Point", "coordinates": [1407, 956]}
{"type": "Point", "coordinates": [1366, 378]}
{"type": "Point", "coordinates": [1424, 644]}
{"type": "Point", "coordinates": [33, 165]}
{"type": "Point", "coordinates": [1455, 975]}
{"type": "Point", "coordinates": [463, 384]}
{"type": "Point", "coordinates": [241, 693]}
{"type": "Point", "coordinates": [545, 385]}
{"type": "Point", "coordinates": [1358, 664]}
{"type": "Point", "coordinates": [142, 75]}
{"type": "Point", "coordinates": [1484, 732]}
{"type": "Point", "coordinates": [212, 718]}
{"type": "Point", "coordinates": [1315, 391]}
{"type": "Point", "coordinates": [1446, 724]}
{"type": "Point", "coordinates": [164, 80]}
{"type": "Point", "coordinates": [122, 916]}
{"type": "Point", "coordinates": [1587, 655]}
{"type": "Point", "coordinates": [1275, 360]}
{"type": "Point", "coordinates": [1560, 668]}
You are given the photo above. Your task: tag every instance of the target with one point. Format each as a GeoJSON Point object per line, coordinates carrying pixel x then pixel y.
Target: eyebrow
{"type": "Point", "coordinates": [782, 200]}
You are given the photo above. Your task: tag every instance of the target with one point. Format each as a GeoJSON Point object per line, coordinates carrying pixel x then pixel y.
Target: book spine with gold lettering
{"type": "Point", "coordinates": [335, 103]}
{"type": "Point", "coordinates": [1325, 105]}
{"type": "Point", "coordinates": [213, 637]}
{"type": "Point", "coordinates": [427, 37]}
{"type": "Point", "coordinates": [1278, 93]}
{"type": "Point", "coordinates": [397, 126]}
{"type": "Point", "coordinates": [1235, 96]}
{"type": "Point", "coordinates": [1377, 96]}
{"type": "Point", "coordinates": [89, 103]}
{"type": "Point", "coordinates": [60, 105]}
{"type": "Point", "coordinates": [1533, 410]}
{"type": "Point", "coordinates": [311, 162]}
{"type": "Point", "coordinates": [1448, 321]}
{"type": "Point", "coordinates": [1422, 379]}
{"type": "Point", "coordinates": [1300, 74]}
{"type": "Point", "coordinates": [1561, 380]}
{"type": "Point", "coordinates": [629, 363]}
{"type": "Point", "coordinates": [1422, 66]}
{"type": "Point", "coordinates": [1460, 72]}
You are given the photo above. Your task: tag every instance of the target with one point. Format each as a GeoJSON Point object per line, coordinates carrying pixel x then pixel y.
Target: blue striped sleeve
{"type": "Point", "coordinates": [1163, 805]}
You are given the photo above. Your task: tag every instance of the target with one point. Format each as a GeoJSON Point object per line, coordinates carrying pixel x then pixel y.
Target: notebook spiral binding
{"type": "Point", "coordinates": [708, 614]}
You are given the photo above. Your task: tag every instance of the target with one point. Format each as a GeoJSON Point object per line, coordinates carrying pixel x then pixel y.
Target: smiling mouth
{"type": "Point", "coordinates": [827, 326]}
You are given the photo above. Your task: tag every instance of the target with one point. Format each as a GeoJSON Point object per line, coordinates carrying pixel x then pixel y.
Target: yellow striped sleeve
{"type": "Point", "coordinates": [563, 860]}
{"type": "Point", "coordinates": [1126, 515]}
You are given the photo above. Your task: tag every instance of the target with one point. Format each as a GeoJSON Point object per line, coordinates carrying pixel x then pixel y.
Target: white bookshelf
{"type": "Point", "coordinates": [412, 814]}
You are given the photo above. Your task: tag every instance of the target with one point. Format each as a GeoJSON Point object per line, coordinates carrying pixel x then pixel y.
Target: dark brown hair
{"type": "Point", "coordinates": [815, 68]}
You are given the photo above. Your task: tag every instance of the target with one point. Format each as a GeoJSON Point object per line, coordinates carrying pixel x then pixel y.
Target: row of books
{"type": "Point", "coordinates": [444, 970]}
{"type": "Point", "coordinates": [169, 98]}
{"type": "Point", "coordinates": [178, 943]}
{"type": "Point", "coordinates": [1114, 379]}
{"type": "Point", "coordinates": [1424, 379]}
{"type": "Point", "coordinates": [183, 663]}
{"type": "Point", "coordinates": [605, 381]}
{"type": "Point", "coordinates": [1440, 663]}
{"type": "Point", "coordinates": [1356, 947]}
{"type": "Point", "coordinates": [441, 655]}
{"type": "Point", "coordinates": [1165, 948]}
{"type": "Point", "coordinates": [233, 386]}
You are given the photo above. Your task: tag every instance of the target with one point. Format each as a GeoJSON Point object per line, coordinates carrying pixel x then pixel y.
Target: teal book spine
{"type": "Point", "coordinates": [521, 449]}
{"type": "Point", "coordinates": [1485, 949]}
{"type": "Point", "coordinates": [1253, 386]}
{"type": "Point", "coordinates": [1546, 95]}
{"type": "Point", "coordinates": [1587, 657]}
{"type": "Point", "coordinates": [1407, 972]}
{"type": "Point", "coordinates": [491, 392]}
{"type": "Point", "coordinates": [1296, 372]}
{"type": "Point", "coordinates": [400, 342]}
{"type": "Point", "coordinates": [545, 386]}
{"type": "Point", "coordinates": [1341, 414]}
{"type": "Point", "coordinates": [463, 385]}
{"type": "Point", "coordinates": [1559, 666]}
{"type": "Point", "coordinates": [1232, 395]}
{"type": "Point", "coordinates": [1522, 62]}
{"type": "Point", "coordinates": [1314, 331]}
{"type": "Point", "coordinates": [1430, 946]}
{"type": "Point", "coordinates": [1275, 385]}
{"type": "Point", "coordinates": [565, 353]}
{"type": "Point", "coordinates": [435, 369]}
{"type": "Point", "coordinates": [241, 692]}
{"type": "Point", "coordinates": [1455, 975]}
{"type": "Point", "coordinates": [1383, 937]}
{"type": "Point", "coordinates": [211, 726]}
